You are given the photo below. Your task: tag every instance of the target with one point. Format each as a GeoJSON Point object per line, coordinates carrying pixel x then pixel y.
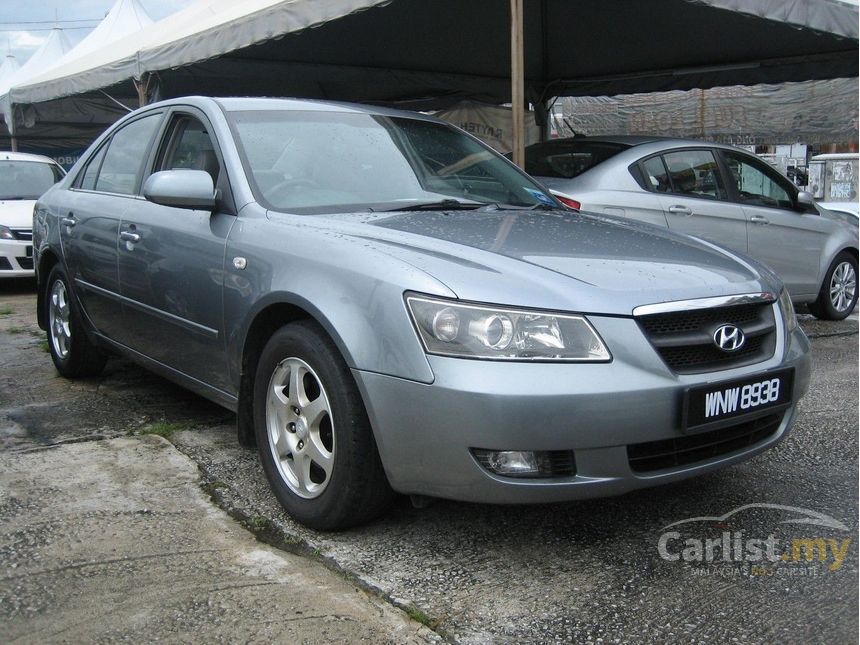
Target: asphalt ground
{"type": "Point", "coordinates": [587, 571]}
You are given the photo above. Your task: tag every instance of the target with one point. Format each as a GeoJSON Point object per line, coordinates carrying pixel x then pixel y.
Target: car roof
{"type": "Point", "coordinates": [635, 140]}
{"type": "Point", "coordinates": [6, 155]}
{"type": "Point", "coordinates": [240, 104]}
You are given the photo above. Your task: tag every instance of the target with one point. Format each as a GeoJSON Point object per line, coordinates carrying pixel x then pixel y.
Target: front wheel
{"type": "Point", "coordinates": [73, 354]}
{"type": "Point", "coordinates": [315, 440]}
{"type": "Point", "coordinates": [838, 293]}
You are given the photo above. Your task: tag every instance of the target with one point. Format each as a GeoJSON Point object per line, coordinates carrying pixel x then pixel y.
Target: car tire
{"type": "Point", "coordinates": [313, 434]}
{"type": "Point", "coordinates": [74, 355]}
{"type": "Point", "coordinates": [838, 294]}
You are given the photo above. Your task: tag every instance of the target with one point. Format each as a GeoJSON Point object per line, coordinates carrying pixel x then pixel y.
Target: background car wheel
{"type": "Point", "coordinates": [838, 293]}
{"type": "Point", "coordinates": [315, 441]}
{"type": "Point", "coordinates": [73, 354]}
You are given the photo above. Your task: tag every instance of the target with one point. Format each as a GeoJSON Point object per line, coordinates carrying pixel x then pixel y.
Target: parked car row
{"type": "Point", "coordinates": [391, 306]}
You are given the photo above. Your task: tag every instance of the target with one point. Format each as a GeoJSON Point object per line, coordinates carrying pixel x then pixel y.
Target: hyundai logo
{"type": "Point", "coordinates": [729, 338]}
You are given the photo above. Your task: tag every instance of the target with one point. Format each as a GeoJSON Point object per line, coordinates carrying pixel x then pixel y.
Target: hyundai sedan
{"type": "Point", "coordinates": [390, 306]}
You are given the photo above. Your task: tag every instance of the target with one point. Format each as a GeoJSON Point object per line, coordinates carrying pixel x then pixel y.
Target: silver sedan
{"type": "Point", "coordinates": [390, 306]}
{"type": "Point", "coordinates": [717, 193]}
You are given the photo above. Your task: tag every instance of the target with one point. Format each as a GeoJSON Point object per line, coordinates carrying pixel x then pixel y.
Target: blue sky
{"type": "Point", "coordinates": [23, 39]}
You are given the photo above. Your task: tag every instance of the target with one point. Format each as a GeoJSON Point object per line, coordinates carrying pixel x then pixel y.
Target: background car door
{"type": "Point", "coordinates": [172, 275]}
{"type": "Point", "coordinates": [789, 241]}
{"type": "Point", "coordinates": [89, 223]}
{"type": "Point", "coordinates": [696, 202]}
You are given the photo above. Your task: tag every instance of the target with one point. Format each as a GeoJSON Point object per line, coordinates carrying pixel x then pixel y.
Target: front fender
{"type": "Point", "coordinates": [353, 291]}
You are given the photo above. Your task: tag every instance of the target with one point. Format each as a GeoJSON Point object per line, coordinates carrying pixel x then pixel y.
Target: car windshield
{"type": "Point", "coordinates": [566, 159]}
{"type": "Point", "coordinates": [27, 179]}
{"type": "Point", "coordinates": [317, 162]}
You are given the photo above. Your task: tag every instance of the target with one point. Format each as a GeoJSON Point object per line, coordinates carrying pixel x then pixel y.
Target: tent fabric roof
{"type": "Point", "coordinates": [124, 18]}
{"type": "Point", "coordinates": [55, 47]}
{"type": "Point", "coordinates": [388, 50]}
{"type": "Point", "coordinates": [8, 68]}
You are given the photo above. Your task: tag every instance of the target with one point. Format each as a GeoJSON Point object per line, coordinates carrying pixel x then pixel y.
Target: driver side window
{"type": "Point", "coordinates": [757, 184]}
{"type": "Point", "coordinates": [189, 146]}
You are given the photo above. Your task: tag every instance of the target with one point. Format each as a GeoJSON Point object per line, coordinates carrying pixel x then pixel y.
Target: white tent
{"type": "Point", "coordinates": [8, 68]}
{"type": "Point", "coordinates": [56, 46]}
{"type": "Point", "coordinates": [126, 17]}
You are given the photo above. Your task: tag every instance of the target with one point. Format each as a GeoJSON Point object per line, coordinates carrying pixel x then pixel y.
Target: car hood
{"type": "Point", "coordinates": [17, 213]}
{"type": "Point", "coordinates": [557, 259]}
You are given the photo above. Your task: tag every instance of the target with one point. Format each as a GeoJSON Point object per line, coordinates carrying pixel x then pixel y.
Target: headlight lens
{"type": "Point", "coordinates": [6, 233]}
{"type": "Point", "coordinates": [787, 310]}
{"type": "Point", "coordinates": [484, 331]}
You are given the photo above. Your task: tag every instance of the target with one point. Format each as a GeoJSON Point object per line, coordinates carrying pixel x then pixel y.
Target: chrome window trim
{"type": "Point", "coordinates": [704, 303]}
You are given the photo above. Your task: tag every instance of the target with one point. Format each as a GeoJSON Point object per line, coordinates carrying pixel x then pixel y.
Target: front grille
{"type": "Point", "coordinates": [685, 339]}
{"type": "Point", "coordinates": [25, 263]}
{"type": "Point", "coordinates": [682, 451]}
{"type": "Point", "coordinates": [24, 234]}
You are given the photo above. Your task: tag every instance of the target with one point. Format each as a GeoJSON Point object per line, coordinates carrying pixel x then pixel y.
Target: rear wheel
{"type": "Point", "coordinates": [838, 293]}
{"type": "Point", "coordinates": [73, 354]}
{"type": "Point", "coordinates": [315, 441]}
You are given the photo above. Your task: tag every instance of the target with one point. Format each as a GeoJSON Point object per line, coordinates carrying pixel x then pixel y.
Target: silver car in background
{"type": "Point", "coordinates": [715, 192]}
{"type": "Point", "coordinates": [389, 305]}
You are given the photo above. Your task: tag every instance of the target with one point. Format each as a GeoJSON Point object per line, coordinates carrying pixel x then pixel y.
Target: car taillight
{"type": "Point", "coordinates": [570, 203]}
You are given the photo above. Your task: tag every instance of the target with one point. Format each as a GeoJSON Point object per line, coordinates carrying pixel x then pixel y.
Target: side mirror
{"type": "Point", "coordinates": [181, 188]}
{"type": "Point", "coordinates": [806, 203]}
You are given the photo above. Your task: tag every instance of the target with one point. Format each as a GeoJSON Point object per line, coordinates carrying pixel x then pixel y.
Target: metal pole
{"type": "Point", "coordinates": [517, 83]}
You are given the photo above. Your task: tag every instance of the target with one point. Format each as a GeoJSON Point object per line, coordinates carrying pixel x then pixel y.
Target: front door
{"type": "Point", "coordinates": [171, 263]}
{"type": "Point", "coordinates": [787, 240]}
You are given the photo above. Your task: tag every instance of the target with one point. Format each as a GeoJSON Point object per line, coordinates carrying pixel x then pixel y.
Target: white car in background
{"type": "Point", "coordinates": [23, 179]}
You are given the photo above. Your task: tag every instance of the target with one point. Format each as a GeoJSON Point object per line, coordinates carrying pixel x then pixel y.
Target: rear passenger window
{"type": "Point", "coordinates": [125, 156]}
{"type": "Point", "coordinates": [695, 173]}
{"type": "Point", "coordinates": [88, 177]}
{"type": "Point", "coordinates": [655, 175]}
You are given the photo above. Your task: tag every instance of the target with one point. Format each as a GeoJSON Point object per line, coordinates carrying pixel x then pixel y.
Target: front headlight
{"type": "Point", "coordinates": [6, 233]}
{"type": "Point", "coordinates": [449, 328]}
{"type": "Point", "coordinates": [787, 310]}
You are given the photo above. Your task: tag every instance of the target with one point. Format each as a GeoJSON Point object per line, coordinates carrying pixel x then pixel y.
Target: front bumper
{"type": "Point", "coordinates": [16, 259]}
{"type": "Point", "coordinates": [425, 432]}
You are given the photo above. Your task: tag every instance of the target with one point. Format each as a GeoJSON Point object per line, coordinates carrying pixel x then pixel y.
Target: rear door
{"type": "Point", "coordinates": [171, 262]}
{"type": "Point", "coordinates": [89, 222]}
{"type": "Point", "coordinates": [786, 239]}
{"type": "Point", "coordinates": [695, 199]}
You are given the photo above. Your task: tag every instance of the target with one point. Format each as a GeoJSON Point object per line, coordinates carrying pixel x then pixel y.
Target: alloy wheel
{"type": "Point", "coordinates": [58, 319]}
{"type": "Point", "coordinates": [300, 427]}
{"type": "Point", "coordinates": [843, 286]}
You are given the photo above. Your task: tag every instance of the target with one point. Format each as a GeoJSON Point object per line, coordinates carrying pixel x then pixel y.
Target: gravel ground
{"type": "Point", "coordinates": [586, 571]}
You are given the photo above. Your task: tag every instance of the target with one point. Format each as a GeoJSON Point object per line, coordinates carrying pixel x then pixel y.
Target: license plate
{"type": "Point", "coordinates": [717, 402]}
{"type": "Point", "coordinates": [28, 251]}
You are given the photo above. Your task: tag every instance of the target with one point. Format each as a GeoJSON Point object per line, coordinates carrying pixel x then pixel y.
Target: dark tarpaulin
{"type": "Point", "coordinates": [421, 55]}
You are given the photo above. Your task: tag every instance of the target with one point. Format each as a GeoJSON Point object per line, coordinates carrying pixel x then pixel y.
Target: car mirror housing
{"type": "Point", "coordinates": [806, 203]}
{"type": "Point", "coordinates": [181, 188]}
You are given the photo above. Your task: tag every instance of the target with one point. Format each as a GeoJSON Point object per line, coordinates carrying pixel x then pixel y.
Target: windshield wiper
{"type": "Point", "coordinates": [440, 205]}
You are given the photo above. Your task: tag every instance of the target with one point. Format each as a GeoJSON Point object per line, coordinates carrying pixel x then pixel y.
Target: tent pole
{"type": "Point", "coordinates": [517, 83]}
{"type": "Point", "coordinates": [142, 87]}
{"type": "Point", "coordinates": [13, 136]}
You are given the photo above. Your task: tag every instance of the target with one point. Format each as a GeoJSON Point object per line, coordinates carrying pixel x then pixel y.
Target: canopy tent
{"type": "Point", "coordinates": [72, 123]}
{"type": "Point", "coordinates": [125, 17]}
{"type": "Point", "coordinates": [8, 68]}
{"type": "Point", "coordinates": [53, 49]}
{"type": "Point", "coordinates": [432, 54]}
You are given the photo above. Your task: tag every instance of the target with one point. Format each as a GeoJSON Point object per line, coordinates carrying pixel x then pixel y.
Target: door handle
{"type": "Point", "coordinates": [69, 221]}
{"type": "Point", "coordinates": [680, 210]}
{"type": "Point", "coordinates": [759, 219]}
{"type": "Point", "coordinates": [128, 236]}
